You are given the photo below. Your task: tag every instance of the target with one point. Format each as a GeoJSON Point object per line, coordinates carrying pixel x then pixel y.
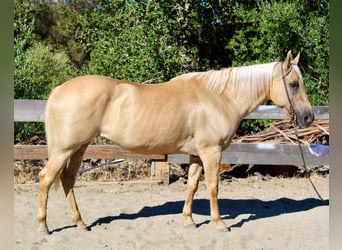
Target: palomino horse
{"type": "Point", "coordinates": [195, 113]}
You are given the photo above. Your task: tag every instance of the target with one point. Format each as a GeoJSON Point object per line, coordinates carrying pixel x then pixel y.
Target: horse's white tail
{"type": "Point", "coordinates": [49, 146]}
{"type": "Point", "coordinates": [56, 182]}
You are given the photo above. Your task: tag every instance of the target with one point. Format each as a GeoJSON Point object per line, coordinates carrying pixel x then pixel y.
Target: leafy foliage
{"type": "Point", "coordinates": [150, 55]}
{"type": "Point", "coordinates": [38, 68]}
{"type": "Point", "coordinates": [40, 71]}
{"type": "Point", "coordinates": [266, 32]}
{"type": "Point", "coordinates": [153, 41]}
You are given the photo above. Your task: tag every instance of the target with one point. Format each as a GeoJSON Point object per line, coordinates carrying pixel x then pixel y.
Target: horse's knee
{"type": "Point", "coordinates": [212, 188]}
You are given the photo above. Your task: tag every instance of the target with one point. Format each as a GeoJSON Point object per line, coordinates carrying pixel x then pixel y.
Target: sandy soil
{"type": "Point", "coordinates": [281, 213]}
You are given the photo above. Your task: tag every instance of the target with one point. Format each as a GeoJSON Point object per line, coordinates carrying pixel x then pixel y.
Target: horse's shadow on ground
{"type": "Point", "coordinates": [229, 208]}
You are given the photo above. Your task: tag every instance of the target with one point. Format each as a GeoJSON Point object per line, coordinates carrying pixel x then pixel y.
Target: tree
{"type": "Point", "coordinates": [38, 69]}
{"type": "Point", "coordinates": [141, 46]}
{"type": "Point", "coordinates": [267, 32]}
{"type": "Point", "coordinates": [153, 41]}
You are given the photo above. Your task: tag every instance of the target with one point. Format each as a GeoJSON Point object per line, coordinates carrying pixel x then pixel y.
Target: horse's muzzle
{"type": "Point", "coordinates": [304, 119]}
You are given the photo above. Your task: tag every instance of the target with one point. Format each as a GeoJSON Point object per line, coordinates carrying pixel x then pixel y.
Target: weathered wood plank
{"type": "Point", "coordinates": [276, 154]}
{"type": "Point", "coordinates": [272, 112]}
{"type": "Point", "coordinates": [263, 153]}
{"type": "Point", "coordinates": [37, 152]}
{"type": "Point", "coordinates": [29, 110]}
{"type": "Point", "coordinates": [237, 153]}
{"type": "Point", "coordinates": [33, 111]}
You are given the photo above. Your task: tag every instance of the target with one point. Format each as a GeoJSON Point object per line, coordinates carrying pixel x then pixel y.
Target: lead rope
{"type": "Point", "coordinates": [307, 174]}
{"type": "Point", "coordinates": [299, 143]}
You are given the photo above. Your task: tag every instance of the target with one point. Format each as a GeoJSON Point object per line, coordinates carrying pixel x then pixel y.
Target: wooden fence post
{"type": "Point", "coordinates": [160, 170]}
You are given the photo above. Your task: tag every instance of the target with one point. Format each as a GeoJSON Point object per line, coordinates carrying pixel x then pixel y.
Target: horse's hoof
{"type": "Point", "coordinates": [83, 228]}
{"type": "Point", "coordinates": [221, 226]}
{"type": "Point", "coordinates": [188, 225]}
{"type": "Point", "coordinates": [224, 229]}
{"type": "Point", "coordinates": [43, 231]}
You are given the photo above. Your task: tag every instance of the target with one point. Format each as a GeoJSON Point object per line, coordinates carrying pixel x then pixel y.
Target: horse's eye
{"type": "Point", "coordinates": [294, 85]}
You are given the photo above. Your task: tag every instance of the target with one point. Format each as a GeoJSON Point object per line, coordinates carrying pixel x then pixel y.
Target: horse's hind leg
{"type": "Point", "coordinates": [68, 178]}
{"type": "Point", "coordinates": [56, 163]}
{"type": "Point", "coordinates": [194, 175]}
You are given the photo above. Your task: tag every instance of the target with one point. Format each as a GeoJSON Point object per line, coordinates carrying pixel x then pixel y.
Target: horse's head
{"type": "Point", "coordinates": [288, 91]}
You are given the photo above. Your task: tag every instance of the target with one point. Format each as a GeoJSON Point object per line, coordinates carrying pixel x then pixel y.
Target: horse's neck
{"type": "Point", "coordinates": [249, 87]}
{"type": "Point", "coordinates": [245, 105]}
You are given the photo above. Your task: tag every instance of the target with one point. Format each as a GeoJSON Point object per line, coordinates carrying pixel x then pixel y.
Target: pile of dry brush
{"type": "Point", "coordinates": [283, 132]}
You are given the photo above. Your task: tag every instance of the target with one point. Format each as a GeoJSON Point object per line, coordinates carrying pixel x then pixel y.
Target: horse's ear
{"type": "Point", "coordinates": [288, 59]}
{"type": "Point", "coordinates": [296, 60]}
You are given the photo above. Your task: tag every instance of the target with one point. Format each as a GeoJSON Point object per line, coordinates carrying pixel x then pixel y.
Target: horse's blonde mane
{"type": "Point", "coordinates": [244, 78]}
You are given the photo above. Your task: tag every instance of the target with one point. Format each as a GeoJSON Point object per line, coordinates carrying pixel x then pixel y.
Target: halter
{"type": "Point", "coordinates": [294, 122]}
{"type": "Point", "coordinates": [292, 110]}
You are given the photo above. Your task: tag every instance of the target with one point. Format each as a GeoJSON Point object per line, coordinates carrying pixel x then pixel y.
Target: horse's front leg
{"type": "Point", "coordinates": [211, 157]}
{"type": "Point", "coordinates": [194, 174]}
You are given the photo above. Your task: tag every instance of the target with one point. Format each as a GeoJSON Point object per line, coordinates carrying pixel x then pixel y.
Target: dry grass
{"type": "Point", "coordinates": [128, 170]}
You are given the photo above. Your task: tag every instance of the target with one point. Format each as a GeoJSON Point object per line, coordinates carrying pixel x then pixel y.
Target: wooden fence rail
{"type": "Point", "coordinates": [237, 153]}
{"type": "Point", "coordinates": [33, 111]}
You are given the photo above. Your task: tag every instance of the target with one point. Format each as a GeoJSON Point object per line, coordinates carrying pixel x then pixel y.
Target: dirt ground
{"type": "Point", "coordinates": [277, 213]}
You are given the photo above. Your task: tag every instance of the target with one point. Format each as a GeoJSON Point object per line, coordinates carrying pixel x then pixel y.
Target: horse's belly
{"type": "Point", "coordinates": [154, 139]}
{"type": "Point", "coordinates": [146, 128]}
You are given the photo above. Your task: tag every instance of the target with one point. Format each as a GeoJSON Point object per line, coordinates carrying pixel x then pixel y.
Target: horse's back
{"type": "Point", "coordinates": [87, 106]}
{"type": "Point", "coordinates": [161, 118]}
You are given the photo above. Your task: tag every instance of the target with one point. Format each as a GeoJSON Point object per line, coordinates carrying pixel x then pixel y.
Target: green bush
{"type": "Point", "coordinates": [154, 41]}
{"type": "Point", "coordinates": [136, 44]}
{"type": "Point", "coordinates": [39, 71]}
{"type": "Point", "coordinates": [267, 32]}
